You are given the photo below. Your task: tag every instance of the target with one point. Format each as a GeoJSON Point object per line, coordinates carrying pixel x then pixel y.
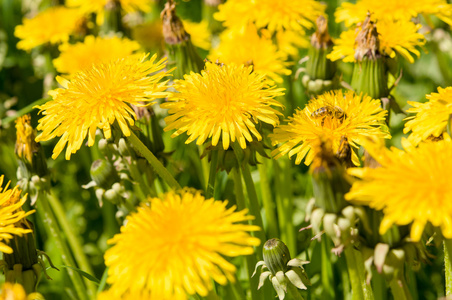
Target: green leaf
{"type": "Point", "coordinates": [83, 273]}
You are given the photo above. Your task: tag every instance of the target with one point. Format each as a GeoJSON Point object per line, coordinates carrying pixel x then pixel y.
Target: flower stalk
{"type": "Point", "coordinates": [44, 209]}
{"type": "Point", "coordinates": [153, 161]}
{"type": "Point", "coordinates": [448, 265]}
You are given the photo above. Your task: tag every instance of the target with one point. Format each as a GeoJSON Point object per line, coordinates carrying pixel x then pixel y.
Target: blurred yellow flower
{"type": "Point", "coordinates": [97, 97]}
{"type": "Point", "coordinates": [10, 213]}
{"type": "Point", "coordinates": [330, 117]}
{"type": "Point", "coordinates": [275, 15]}
{"type": "Point", "coordinates": [431, 117]}
{"type": "Point", "coordinates": [199, 33]}
{"type": "Point", "coordinates": [405, 10]}
{"type": "Point", "coordinates": [93, 50]}
{"type": "Point", "coordinates": [174, 246]}
{"type": "Point", "coordinates": [15, 291]}
{"type": "Point", "coordinates": [411, 186]}
{"type": "Point", "coordinates": [109, 295]}
{"type": "Point", "coordinates": [236, 14]}
{"type": "Point", "coordinates": [400, 37]}
{"type": "Point", "coordinates": [251, 49]}
{"type": "Point", "coordinates": [290, 41]}
{"type": "Point", "coordinates": [223, 102]}
{"type": "Point", "coordinates": [54, 25]}
{"type": "Point", "coordinates": [98, 6]}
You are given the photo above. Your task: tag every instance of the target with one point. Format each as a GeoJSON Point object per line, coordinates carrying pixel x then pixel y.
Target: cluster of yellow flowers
{"type": "Point", "coordinates": [183, 234]}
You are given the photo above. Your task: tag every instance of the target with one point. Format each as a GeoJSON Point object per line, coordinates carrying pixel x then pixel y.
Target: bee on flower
{"type": "Point", "coordinates": [340, 119]}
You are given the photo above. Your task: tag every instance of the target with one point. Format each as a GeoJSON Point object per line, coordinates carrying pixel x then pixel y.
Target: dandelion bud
{"type": "Point", "coordinates": [103, 173]}
{"type": "Point", "coordinates": [181, 52]}
{"type": "Point", "coordinates": [320, 71]}
{"type": "Point", "coordinates": [370, 71]}
{"type": "Point", "coordinates": [287, 275]}
{"type": "Point", "coordinates": [276, 255]}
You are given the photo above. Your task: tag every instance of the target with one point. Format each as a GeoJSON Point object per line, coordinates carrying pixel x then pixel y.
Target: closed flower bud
{"type": "Point", "coordinates": [103, 173]}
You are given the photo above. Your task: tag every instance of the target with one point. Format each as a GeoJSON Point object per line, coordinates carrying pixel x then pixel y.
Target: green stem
{"type": "Point", "coordinates": [153, 161]}
{"type": "Point", "coordinates": [74, 242]}
{"type": "Point", "coordinates": [355, 265]}
{"type": "Point", "coordinates": [253, 205]}
{"type": "Point", "coordinates": [269, 206]}
{"type": "Point", "coordinates": [235, 291]}
{"type": "Point", "coordinates": [449, 125]}
{"type": "Point", "coordinates": [398, 289]}
{"type": "Point", "coordinates": [443, 63]}
{"type": "Point", "coordinates": [103, 281]}
{"type": "Point", "coordinates": [327, 270]}
{"type": "Point", "coordinates": [250, 260]}
{"type": "Point", "coordinates": [293, 292]}
{"type": "Point", "coordinates": [138, 177]}
{"type": "Point", "coordinates": [204, 166]}
{"type": "Point", "coordinates": [379, 285]}
{"type": "Point", "coordinates": [210, 189]}
{"type": "Point", "coordinates": [48, 218]}
{"type": "Point", "coordinates": [284, 205]}
{"type": "Point", "coordinates": [448, 265]}
{"type": "Point", "coordinates": [23, 111]}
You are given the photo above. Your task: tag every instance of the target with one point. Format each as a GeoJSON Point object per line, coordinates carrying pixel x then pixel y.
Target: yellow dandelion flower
{"type": "Point", "coordinates": [255, 50]}
{"type": "Point", "coordinates": [431, 117]}
{"type": "Point", "coordinates": [278, 15]}
{"type": "Point", "coordinates": [224, 101]}
{"type": "Point", "coordinates": [289, 41]}
{"type": "Point", "coordinates": [236, 14]}
{"type": "Point", "coordinates": [199, 33]}
{"type": "Point", "coordinates": [330, 117]}
{"type": "Point", "coordinates": [97, 97]}
{"type": "Point", "coordinates": [25, 141]}
{"type": "Point", "coordinates": [98, 6]}
{"type": "Point", "coordinates": [174, 246]}
{"type": "Point", "coordinates": [109, 295]}
{"type": "Point", "coordinates": [275, 15]}
{"type": "Point", "coordinates": [79, 56]}
{"type": "Point", "coordinates": [10, 213]}
{"type": "Point", "coordinates": [53, 25]}
{"type": "Point", "coordinates": [400, 37]}
{"type": "Point", "coordinates": [411, 186]}
{"type": "Point", "coordinates": [344, 46]}
{"type": "Point", "coordinates": [353, 13]}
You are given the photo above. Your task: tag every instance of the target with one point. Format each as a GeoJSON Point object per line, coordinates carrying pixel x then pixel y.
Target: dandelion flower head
{"type": "Point", "coordinates": [257, 50]}
{"type": "Point", "coordinates": [223, 101]}
{"type": "Point", "coordinates": [97, 97]}
{"type": "Point", "coordinates": [431, 117]}
{"type": "Point", "coordinates": [330, 117]}
{"type": "Point", "coordinates": [98, 6]}
{"type": "Point", "coordinates": [395, 37]}
{"type": "Point", "coordinates": [411, 186]}
{"type": "Point", "coordinates": [275, 15]}
{"type": "Point", "coordinates": [54, 25]}
{"type": "Point", "coordinates": [11, 213]}
{"type": "Point", "coordinates": [93, 50]}
{"type": "Point", "coordinates": [174, 246]}
{"type": "Point", "coordinates": [405, 10]}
